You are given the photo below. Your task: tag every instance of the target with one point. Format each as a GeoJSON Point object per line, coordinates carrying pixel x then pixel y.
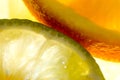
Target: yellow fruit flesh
{"type": "Point", "coordinates": [27, 55]}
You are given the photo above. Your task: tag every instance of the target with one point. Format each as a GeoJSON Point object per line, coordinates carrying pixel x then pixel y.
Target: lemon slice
{"type": "Point", "coordinates": [32, 51]}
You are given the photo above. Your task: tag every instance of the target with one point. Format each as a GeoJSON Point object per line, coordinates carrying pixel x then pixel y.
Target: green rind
{"type": "Point", "coordinates": [49, 33]}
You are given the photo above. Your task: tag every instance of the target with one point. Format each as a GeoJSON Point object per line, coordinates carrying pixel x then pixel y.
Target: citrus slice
{"type": "Point", "coordinates": [102, 12]}
{"type": "Point", "coordinates": [100, 42]}
{"type": "Point", "coordinates": [31, 51]}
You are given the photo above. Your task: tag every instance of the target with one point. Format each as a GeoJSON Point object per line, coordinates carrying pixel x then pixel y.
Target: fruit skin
{"type": "Point", "coordinates": [100, 42]}
{"type": "Point", "coordinates": [52, 34]}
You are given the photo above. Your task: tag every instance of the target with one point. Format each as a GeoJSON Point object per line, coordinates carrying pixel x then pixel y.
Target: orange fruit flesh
{"type": "Point", "coordinates": [102, 12]}
{"type": "Point", "coordinates": [105, 48]}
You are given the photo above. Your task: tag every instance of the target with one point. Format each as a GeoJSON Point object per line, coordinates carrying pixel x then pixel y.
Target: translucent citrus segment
{"type": "Point", "coordinates": [100, 42]}
{"type": "Point", "coordinates": [31, 51]}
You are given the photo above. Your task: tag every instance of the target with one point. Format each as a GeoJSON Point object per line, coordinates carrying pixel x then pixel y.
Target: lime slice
{"type": "Point", "coordinates": [32, 51]}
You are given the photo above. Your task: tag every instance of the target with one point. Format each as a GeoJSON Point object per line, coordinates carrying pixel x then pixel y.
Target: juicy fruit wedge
{"type": "Point", "coordinates": [31, 51]}
{"type": "Point", "coordinates": [100, 42]}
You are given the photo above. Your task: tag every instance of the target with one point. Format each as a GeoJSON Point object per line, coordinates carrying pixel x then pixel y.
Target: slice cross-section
{"type": "Point", "coordinates": [32, 51]}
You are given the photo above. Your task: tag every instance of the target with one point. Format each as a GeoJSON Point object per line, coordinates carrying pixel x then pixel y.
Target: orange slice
{"type": "Point", "coordinates": [100, 42]}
